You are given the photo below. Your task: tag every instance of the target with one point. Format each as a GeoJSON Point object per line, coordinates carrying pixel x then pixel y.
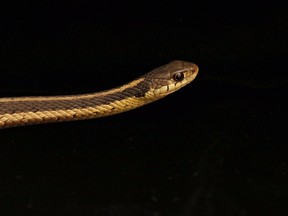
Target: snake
{"type": "Point", "coordinates": [156, 84]}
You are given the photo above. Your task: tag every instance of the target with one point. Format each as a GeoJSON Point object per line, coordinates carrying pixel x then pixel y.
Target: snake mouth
{"type": "Point", "coordinates": [168, 89]}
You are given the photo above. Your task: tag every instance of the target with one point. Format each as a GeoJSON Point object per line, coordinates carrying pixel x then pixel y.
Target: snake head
{"type": "Point", "coordinates": [172, 76]}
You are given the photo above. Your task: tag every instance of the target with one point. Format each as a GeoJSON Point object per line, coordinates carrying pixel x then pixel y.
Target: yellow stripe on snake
{"type": "Point", "coordinates": [158, 83]}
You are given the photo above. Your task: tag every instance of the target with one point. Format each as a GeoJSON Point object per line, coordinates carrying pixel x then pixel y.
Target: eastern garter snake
{"type": "Point", "coordinates": [152, 86]}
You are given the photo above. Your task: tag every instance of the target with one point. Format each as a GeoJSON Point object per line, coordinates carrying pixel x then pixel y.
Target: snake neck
{"type": "Point", "coordinates": [34, 110]}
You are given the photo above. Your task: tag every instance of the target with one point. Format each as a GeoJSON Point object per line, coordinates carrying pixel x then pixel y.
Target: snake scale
{"type": "Point", "coordinates": [19, 111]}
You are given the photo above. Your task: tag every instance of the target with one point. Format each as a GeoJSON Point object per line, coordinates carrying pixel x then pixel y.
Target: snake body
{"type": "Point", "coordinates": [158, 83]}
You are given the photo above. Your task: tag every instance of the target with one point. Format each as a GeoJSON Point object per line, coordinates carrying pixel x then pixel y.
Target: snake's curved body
{"type": "Point", "coordinates": [152, 86]}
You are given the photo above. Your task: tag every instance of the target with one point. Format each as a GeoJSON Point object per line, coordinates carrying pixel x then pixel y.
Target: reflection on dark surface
{"type": "Point", "coordinates": [216, 147]}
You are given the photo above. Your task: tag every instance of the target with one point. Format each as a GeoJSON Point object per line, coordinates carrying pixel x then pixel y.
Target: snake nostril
{"type": "Point", "coordinates": [194, 70]}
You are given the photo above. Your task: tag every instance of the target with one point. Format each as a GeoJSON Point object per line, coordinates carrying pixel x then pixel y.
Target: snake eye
{"type": "Point", "coordinates": [178, 76]}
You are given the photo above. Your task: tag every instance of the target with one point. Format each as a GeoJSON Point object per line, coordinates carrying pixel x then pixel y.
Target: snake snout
{"type": "Point", "coordinates": [193, 67]}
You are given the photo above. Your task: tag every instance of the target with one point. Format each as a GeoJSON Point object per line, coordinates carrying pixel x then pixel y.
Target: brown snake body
{"type": "Point", "coordinates": [158, 83]}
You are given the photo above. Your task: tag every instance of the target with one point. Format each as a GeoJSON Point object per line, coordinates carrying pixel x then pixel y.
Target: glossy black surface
{"type": "Point", "coordinates": [216, 147]}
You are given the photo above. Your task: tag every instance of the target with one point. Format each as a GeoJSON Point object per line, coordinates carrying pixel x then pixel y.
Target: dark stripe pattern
{"type": "Point", "coordinates": [41, 105]}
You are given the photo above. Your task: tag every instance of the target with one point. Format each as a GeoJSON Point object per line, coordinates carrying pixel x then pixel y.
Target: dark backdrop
{"type": "Point", "coordinates": [216, 147]}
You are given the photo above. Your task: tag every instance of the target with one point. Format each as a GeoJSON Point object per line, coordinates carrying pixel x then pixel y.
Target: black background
{"type": "Point", "coordinates": [216, 147]}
